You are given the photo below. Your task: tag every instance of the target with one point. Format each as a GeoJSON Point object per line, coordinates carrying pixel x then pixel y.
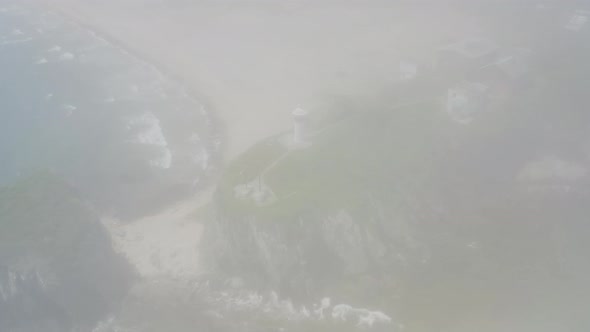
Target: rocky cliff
{"type": "Point", "coordinates": [58, 271]}
{"type": "Point", "coordinates": [406, 211]}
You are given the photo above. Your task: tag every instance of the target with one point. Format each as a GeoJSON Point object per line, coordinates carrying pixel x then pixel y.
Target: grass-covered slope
{"type": "Point", "coordinates": [448, 226]}
{"type": "Point", "coordinates": [443, 225]}
{"type": "Point", "coordinates": [360, 155]}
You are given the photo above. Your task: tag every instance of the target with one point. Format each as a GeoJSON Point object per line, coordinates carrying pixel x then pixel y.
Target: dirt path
{"type": "Point", "coordinates": [164, 244]}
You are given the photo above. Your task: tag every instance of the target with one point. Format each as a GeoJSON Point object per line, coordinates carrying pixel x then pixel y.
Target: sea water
{"type": "Point", "coordinates": [77, 105]}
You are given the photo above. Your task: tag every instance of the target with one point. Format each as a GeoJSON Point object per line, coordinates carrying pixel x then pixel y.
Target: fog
{"type": "Point", "coordinates": [294, 166]}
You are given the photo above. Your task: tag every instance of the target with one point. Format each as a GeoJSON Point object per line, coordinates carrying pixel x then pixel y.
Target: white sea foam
{"type": "Point", "coordinates": [15, 41]}
{"type": "Point", "coordinates": [69, 109]}
{"type": "Point", "coordinates": [202, 159]}
{"type": "Point", "coordinates": [54, 49]}
{"type": "Point", "coordinates": [102, 41]}
{"type": "Point", "coordinates": [362, 317]}
{"type": "Point", "coordinates": [41, 61]}
{"type": "Point", "coordinates": [158, 88]}
{"type": "Point", "coordinates": [149, 132]}
{"type": "Point", "coordinates": [165, 160]}
{"type": "Point", "coordinates": [272, 305]}
{"type": "Point", "coordinates": [67, 56]}
{"type": "Point", "coordinates": [152, 132]}
{"type": "Point", "coordinates": [194, 138]}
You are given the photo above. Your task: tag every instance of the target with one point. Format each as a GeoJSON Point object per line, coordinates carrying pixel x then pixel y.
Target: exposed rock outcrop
{"type": "Point", "coordinates": [58, 271]}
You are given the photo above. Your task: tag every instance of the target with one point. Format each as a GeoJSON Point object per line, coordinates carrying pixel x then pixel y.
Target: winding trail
{"type": "Point", "coordinates": [164, 244]}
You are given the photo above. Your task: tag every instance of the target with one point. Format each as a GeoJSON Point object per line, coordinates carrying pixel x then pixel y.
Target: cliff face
{"type": "Point", "coordinates": [333, 213]}
{"type": "Point", "coordinates": [20, 291]}
{"type": "Point", "coordinates": [425, 219]}
{"type": "Point", "coordinates": [423, 270]}
{"type": "Point", "coordinates": [57, 267]}
{"type": "Point", "coordinates": [311, 253]}
{"type": "Point", "coordinates": [443, 224]}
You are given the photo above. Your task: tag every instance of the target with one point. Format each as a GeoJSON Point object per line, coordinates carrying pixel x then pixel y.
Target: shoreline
{"type": "Point", "coordinates": [223, 118]}
{"type": "Point", "coordinates": [254, 62]}
{"type": "Point", "coordinates": [163, 244]}
{"type": "Point", "coordinates": [192, 92]}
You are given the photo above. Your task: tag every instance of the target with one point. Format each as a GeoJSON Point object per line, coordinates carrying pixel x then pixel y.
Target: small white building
{"type": "Point", "coordinates": [301, 127]}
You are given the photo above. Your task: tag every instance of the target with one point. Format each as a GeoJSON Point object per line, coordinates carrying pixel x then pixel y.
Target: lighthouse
{"type": "Point", "coordinates": [300, 127]}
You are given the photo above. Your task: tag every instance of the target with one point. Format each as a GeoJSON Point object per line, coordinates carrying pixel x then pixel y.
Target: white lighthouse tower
{"type": "Point", "coordinates": [300, 128]}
